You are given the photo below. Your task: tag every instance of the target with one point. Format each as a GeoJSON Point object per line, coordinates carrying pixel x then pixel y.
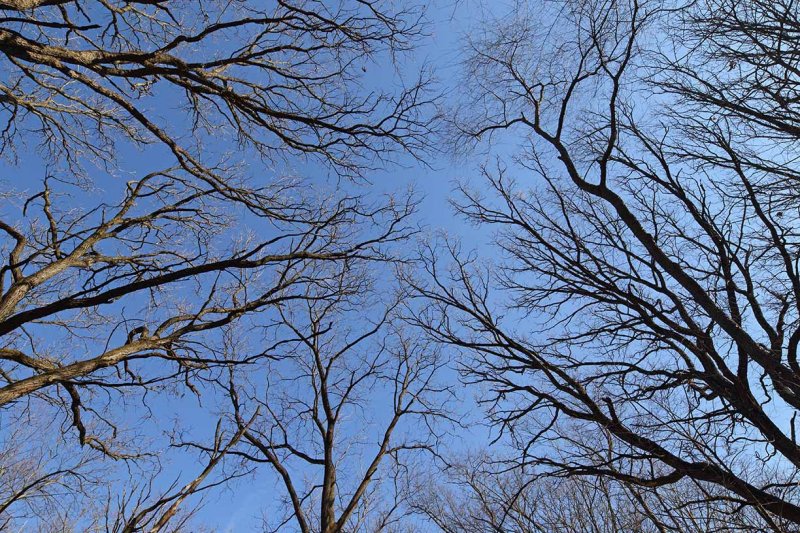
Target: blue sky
{"type": "Point", "coordinates": [449, 22]}
{"type": "Point", "coordinates": [239, 509]}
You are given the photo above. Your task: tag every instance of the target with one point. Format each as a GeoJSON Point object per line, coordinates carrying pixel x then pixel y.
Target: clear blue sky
{"type": "Point", "coordinates": [449, 22]}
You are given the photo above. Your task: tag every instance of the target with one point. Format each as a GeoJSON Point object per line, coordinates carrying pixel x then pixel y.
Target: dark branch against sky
{"type": "Point", "coordinates": [364, 265]}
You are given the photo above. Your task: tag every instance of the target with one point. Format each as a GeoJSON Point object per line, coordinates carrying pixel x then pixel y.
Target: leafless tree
{"type": "Point", "coordinates": [99, 353]}
{"type": "Point", "coordinates": [347, 403]}
{"type": "Point", "coordinates": [146, 239]}
{"type": "Point", "coordinates": [479, 495]}
{"type": "Point", "coordinates": [37, 481]}
{"type": "Point", "coordinates": [278, 76]}
{"type": "Point", "coordinates": [142, 510]}
{"type": "Point", "coordinates": [641, 324]}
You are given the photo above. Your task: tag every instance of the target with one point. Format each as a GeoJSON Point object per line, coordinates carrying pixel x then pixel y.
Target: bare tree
{"type": "Point", "coordinates": [99, 353]}
{"type": "Point", "coordinates": [347, 402]}
{"type": "Point", "coordinates": [141, 510]}
{"type": "Point", "coordinates": [146, 240]}
{"type": "Point", "coordinates": [641, 324]}
{"type": "Point", "coordinates": [38, 484]}
{"type": "Point", "coordinates": [479, 495]}
{"type": "Point", "coordinates": [277, 76]}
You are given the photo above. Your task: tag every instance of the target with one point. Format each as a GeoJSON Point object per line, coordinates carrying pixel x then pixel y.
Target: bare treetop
{"type": "Point", "coordinates": [641, 321]}
{"type": "Point", "coordinates": [274, 76]}
{"type": "Point", "coordinates": [160, 196]}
